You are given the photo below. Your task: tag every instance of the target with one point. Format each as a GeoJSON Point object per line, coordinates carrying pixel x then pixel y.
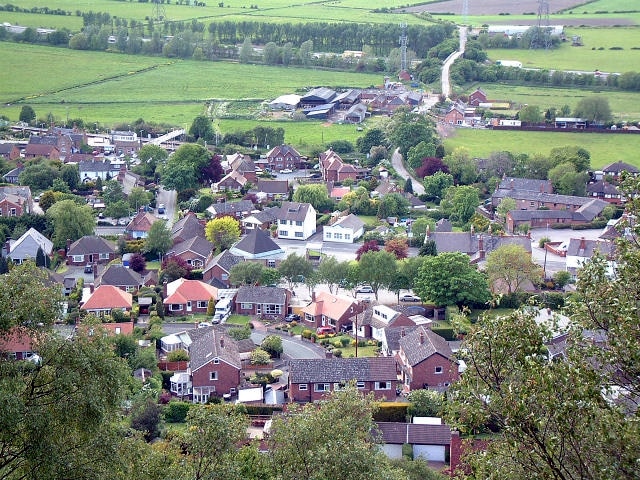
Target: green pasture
{"type": "Point", "coordinates": [607, 6]}
{"type": "Point", "coordinates": [604, 148]}
{"type": "Point", "coordinates": [37, 20]}
{"type": "Point", "coordinates": [576, 18]}
{"type": "Point", "coordinates": [624, 105]}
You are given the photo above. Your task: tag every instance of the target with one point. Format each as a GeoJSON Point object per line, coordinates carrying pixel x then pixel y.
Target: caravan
{"type": "Point", "coordinates": [223, 310]}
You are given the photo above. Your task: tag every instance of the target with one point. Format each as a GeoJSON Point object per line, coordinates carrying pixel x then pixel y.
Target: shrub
{"type": "Point", "coordinates": [176, 411]}
{"type": "Point", "coordinates": [178, 356]}
{"type": "Point", "coordinates": [336, 343]}
{"type": "Point", "coordinates": [306, 333]}
{"type": "Point", "coordinates": [337, 353]}
{"type": "Point", "coordinates": [345, 341]}
{"type": "Point", "coordinates": [391, 412]}
{"type": "Point", "coordinates": [542, 241]}
{"type": "Point", "coordinates": [407, 450]}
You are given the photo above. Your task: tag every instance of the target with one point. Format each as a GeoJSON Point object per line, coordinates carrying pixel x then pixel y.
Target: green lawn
{"type": "Point", "coordinates": [604, 148]}
{"type": "Point", "coordinates": [239, 320]}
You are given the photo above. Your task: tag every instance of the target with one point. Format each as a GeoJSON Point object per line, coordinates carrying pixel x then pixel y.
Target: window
{"type": "Point", "coordinates": [298, 234]}
{"type": "Point", "coordinates": [174, 307]}
{"type": "Point", "coordinates": [282, 222]}
{"type": "Point", "coordinates": [270, 309]}
{"type": "Point", "coordinates": [302, 387]}
{"type": "Point", "coordinates": [383, 386]}
{"type": "Point", "coordinates": [188, 303]}
{"type": "Point", "coordinates": [78, 258]}
{"type": "Point", "coordinates": [438, 370]}
{"type": "Point", "coordinates": [13, 212]}
{"type": "Point", "coordinates": [104, 256]}
{"type": "Point", "coordinates": [360, 385]}
{"type": "Point", "coordinates": [347, 236]}
{"type": "Point", "coordinates": [213, 375]}
{"type": "Point", "coordinates": [246, 306]}
{"type": "Point", "coordinates": [338, 236]}
{"type": "Point", "coordinates": [224, 276]}
{"type": "Point", "coordinates": [216, 361]}
{"type": "Point", "coordinates": [202, 304]}
{"type": "Point", "coordinates": [327, 234]}
{"type": "Point", "coordinates": [322, 387]}
{"type": "Point", "coordinates": [532, 204]}
{"type": "Point", "coordinates": [337, 386]}
{"type": "Point", "coordinates": [283, 233]}
{"type": "Point", "coordinates": [271, 263]}
{"type": "Point", "coordinates": [118, 330]}
{"type": "Point", "coordinates": [298, 223]}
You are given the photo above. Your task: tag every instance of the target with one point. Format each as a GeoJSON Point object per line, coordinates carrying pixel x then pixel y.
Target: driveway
{"type": "Point", "coordinates": [554, 263]}
{"type": "Point", "coordinates": [398, 166]}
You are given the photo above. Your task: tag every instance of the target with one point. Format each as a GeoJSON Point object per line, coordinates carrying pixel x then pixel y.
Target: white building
{"type": "Point", "coordinates": [296, 221]}
{"type": "Point", "coordinates": [344, 230]}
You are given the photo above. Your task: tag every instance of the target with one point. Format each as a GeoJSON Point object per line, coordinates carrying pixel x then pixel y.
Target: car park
{"type": "Point", "coordinates": [364, 289]}
{"type": "Point", "coordinates": [409, 298]}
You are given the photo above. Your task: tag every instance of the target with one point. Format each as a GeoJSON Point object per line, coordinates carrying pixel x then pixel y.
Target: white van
{"type": "Point", "coordinates": [223, 310]}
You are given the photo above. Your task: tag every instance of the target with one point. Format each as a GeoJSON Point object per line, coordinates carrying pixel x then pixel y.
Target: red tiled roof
{"type": "Point", "coordinates": [192, 290]}
{"type": "Point", "coordinates": [106, 297]}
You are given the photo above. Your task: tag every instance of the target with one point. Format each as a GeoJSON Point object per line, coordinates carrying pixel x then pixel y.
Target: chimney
{"type": "Point", "coordinates": [313, 296]}
{"type": "Point", "coordinates": [583, 246]}
{"type": "Point", "coordinates": [91, 287]}
{"type": "Point", "coordinates": [481, 246]}
{"type": "Point", "coordinates": [68, 244]}
{"type": "Point", "coordinates": [402, 332]}
{"type": "Point", "coordinates": [421, 337]}
{"type": "Point", "coordinates": [221, 342]}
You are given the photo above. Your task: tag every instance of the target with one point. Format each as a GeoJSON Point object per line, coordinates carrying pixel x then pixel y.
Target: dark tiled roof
{"type": "Point", "coordinates": [90, 244]}
{"type": "Point", "coordinates": [211, 343]}
{"type": "Point", "coordinates": [120, 275]}
{"type": "Point", "coordinates": [603, 187]}
{"type": "Point", "coordinates": [187, 227]}
{"type": "Point", "coordinates": [531, 184]}
{"type": "Point", "coordinates": [266, 215]}
{"type": "Point", "coordinates": [350, 221]}
{"type": "Point", "coordinates": [93, 165]}
{"type": "Point", "coordinates": [226, 260]}
{"type": "Point", "coordinates": [272, 295]}
{"type": "Point", "coordinates": [197, 245]}
{"type": "Point", "coordinates": [616, 167]}
{"type": "Point", "coordinates": [294, 211]}
{"type": "Point", "coordinates": [231, 208]}
{"type": "Point", "coordinates": [414, 433]}
{"type": "Point", "coordinates": [394, 334]}
{"type": "Point", "coordinates": [43, 140]}
{"type": "Point", "coordinates": [273, 186]}
{"type": "Point", "coordinates": [283, 150]}
{"type": "Point", "coordinates": [331, 370]}
{"type": "Point", "coordinates": [528, 215]}
{"type": "Point", "coordinates": [416, 350]}
{"type": "Point", "coordinates": [592, 209]}
{"type": "Point", "coordinates": [256, 242]}
{"type": "Point", "coordinates": [586, 248]}
{"type": "Point", "coordinates": [539, 197]}
{"type": "Point", "coordinates": [6, 148]}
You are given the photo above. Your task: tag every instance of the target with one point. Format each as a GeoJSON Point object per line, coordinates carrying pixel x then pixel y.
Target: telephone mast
{"type": "Point", "coordinates": [157, 10]}
{"type": "Point", "coordinates": [403, 47]}
{"type": "Point", "coordinates": [541, 37]}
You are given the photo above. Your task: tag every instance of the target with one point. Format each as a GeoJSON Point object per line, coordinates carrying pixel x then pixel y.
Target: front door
{"type": "Point", "coordinates": [188, 306]}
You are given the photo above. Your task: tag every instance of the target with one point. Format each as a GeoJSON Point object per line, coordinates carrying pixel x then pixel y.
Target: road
{"type": "Point", "coordinates": [446, 84]}
{"type": "Point", "coordinates": [396, 162]}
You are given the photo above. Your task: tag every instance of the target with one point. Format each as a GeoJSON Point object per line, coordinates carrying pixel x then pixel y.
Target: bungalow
{"type": "Point", "coordinates": [104, 299]}
{"type": "Point", "coordinates": [13, 175]}
{"type": "Point", "coordinates": [188, 296]}
{"type": "Point", "coordinates": [232, 182]}
{"type": "Point", "coordinates": [283, 157]}
{"type": "Point", "coordinates": [26, 247]}
{"type": "Point", "coordinates": [90, 249]}
{"type": "Point", "coordinates": [15, 201]}
{"type": "Point", "coordinates": [426, 361]}
{"type": "Point", "coordinates": [258, 246]}
{"type": "Point", "coordinates": [581, 250]}
{"type": "Point", "coordinates": [231, 209]}
{"type": "Point", "coordinates": [329, 310]}
{"type": "Point", "coordinates": [344, 230]}
{"type": "Point", "coordinates": [311, 380]}
{"type": "Point", "coordinates": [193, 251]}
{"type": "Point", "coordinates": [296, 221]}
{"type": "Point", "coordinates": [121, 277]}
{"type": "Point", "coordinates": [18, 343]}
{"type": "Point", "coordinates": [264, 302]}
{"type": "Point", "coordinates": [270, 190]}
{"type": "Point", "coordinates": [140, 225]}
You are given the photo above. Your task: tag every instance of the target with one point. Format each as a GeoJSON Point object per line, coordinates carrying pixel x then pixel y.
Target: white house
{"type": "Point", "coordinates": [27, 246]}
{"type": "Point", "coordinates": [344, 230]}
{"type": "Point", "coordinates": [296, 221]}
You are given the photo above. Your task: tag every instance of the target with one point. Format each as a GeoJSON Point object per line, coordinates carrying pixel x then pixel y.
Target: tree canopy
{"type": "Point", "coordinates": [223, 232]}
{"type": "Point", "coordinates": [70, 221]}
{"type": "Point", "coordinates": [510, 267]}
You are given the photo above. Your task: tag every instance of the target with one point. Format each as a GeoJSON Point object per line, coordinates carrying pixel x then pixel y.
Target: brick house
{"type": "Point", "coordinates": [217, 268]}
{"type": "Point", "coordinates": [90, 249]}
{"type": "Point", "coordinates": [328, 310]}
{"type": "Point", "coordinates": [477, 97]}
{"type": "Point", "coordinates": [333, 169]}
{"type": "Point", "coordinates": [268, 302]}
{"type": "Point", "coordinates": [426, 361]}
{"type": "Point", "coordinates": [231, 182]}
{"type": "Point", "coordinates": [18, 344]}
{"type": "Point", "coordinates": [605, 191]}
{"type": "Point", "coordinates": [187, 227]}
{"type": "Point", "coordinates": [283, 157]}
{"type": "Point", "coordinates": [269, 190]}
{"type": "Point", "coordinates": [258, 246]}
{"type": "Point", "coordinates": [615, 169]}
{"type": "Point", "coordinates": [140, 225]}
{"type": "Point", "coordinates": [455, 115]}
{"type": "Point", "coordinates": [188, 296]}
{"type": "Point", "coordinates": [193, 251]}
{"type": "Point", "coordinates": [15, 201]}
{"type": "Point", "coordinates": [121, 277]}
{"type": "Point", "coordinates": [9, 151]}
{"type": "Point", "coordinates": [311, 379]}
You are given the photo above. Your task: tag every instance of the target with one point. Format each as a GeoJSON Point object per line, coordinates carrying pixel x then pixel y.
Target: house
{"type": "Point", "coordinates": [50, 152]}
{"type": "Point", "coordinates": [264, 302]}
{"type": "Point", "coordinates": [258, 246]}
{"type": "Point", "coordinates": [544, 218]}
{"type": "Point", "coordinates": [383, 317]}
{"type": "Point", "coordinates": [260, 219]}
{"type": "Point", "coordinates": [187, 227]}
{"type": "Point", "coordinates": [90, 249]}
{"type": "Point", "coordinates": [477, 246]}
{"type": "Point", "coordinates": [91, 170]}
{"type": "Point", "coordinates": [390, 337]}
{"type": "Point", "coordinates": [455, 115]}
{"type": "Point", "coordinates": [9, 151]}
{"type": "Point", "coordinates": [337, 193]}
{"type": "Point", "coordinates": [426, 361]}
{"type": "Point", "coordinates": [214, 364]}
{"type": "Point", "coordinates": [329, 310]}
{"type": "Point", "coordinates": [605, 191]}
{"type": "Point", "coordinates": [271, 190]}
{"type": "Point", "coordinates": [15, 201]}
{"type": "Point", "coordinates": [615, 169]}
{"type": "Point", "coordinates": [237, 210]}
{"type": "Point", "coordinates": [384, 187]}
{"type": "Point", "coordinates": [140, 225]}
{"type": "Point", "coordinates": [296, 221]}
{"type": "Point", "coordinates": [526, 184]}
{"type": "Point", "coordinates": [193, 251]}
{"type": "Point", "coordinates": [333, 169]}
{"type": "Point", "coordinates": [26, 247]}
{"type": "Point", "coordinates": [188, 296]}
{"type": "Point", "coordinates": [13, 175]}
{"type": "Point", "coordinates": [18, 343]}
{"type": "Point", "coordinates": [344, 230]}
{"type": "Point", "coordinates": [106, 298]}
{"type": "Point", "coordinates": [535, 200]}
{"type": "Point", "coordinates": [283, 157]}
{"type": "Point", "coordinates": [243, 165]}
{"type": "Point", "coordinates": [217, 268]}
{"type": "Point", "coordinates": [231, 182]}
{"type": "Point", "coordinates": [430, 440]}
{"type": "Point", "coordinates": [477, 97]}
{"type": "Point", "coordinates": [311, 379]}
{"type": "Point", "coordinates": [121, 277]}
{"type": "Point", "coordinates": [581, 250]}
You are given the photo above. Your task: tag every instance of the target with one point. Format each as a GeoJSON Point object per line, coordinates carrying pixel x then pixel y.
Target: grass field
{"type": "Point", "coordinates": [604, 148]}
{"type": "Point", "coordinates": [624, 105]}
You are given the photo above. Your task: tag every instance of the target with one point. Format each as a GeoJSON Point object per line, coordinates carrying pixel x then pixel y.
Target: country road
{"type": "Point", "coordinates": [396, 161]}
{"type": "Point", "coordinates": [445, 82]}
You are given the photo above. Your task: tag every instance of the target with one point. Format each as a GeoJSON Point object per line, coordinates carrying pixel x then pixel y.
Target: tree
{"type": "Point", "coordinates": [428, 248]}
{"type": "Point", "coordinates": [420, 152]}
{"type": "Point", "coordinates": [182, 169]}
{"type": "Point", "coordinates": [223, 232]}
{"type": "Point", "coordinates": [450, 279]}
{"type": "Point", "coordinates": [393, 205]}
{"type": "Point", "coordinates": [272, 344]}
{"type": "Point", "coordinates": [425, 403]}
{"type": "Point", "coordinates": [510, 266]}
{"type": "Point", "coordinates": [408, 185]}
{"type": "Point", "coordinates": [305, 51]}
{"type": "Point", "coordinates": [561, 278]}
{"type": "Point", "coordinates": [300, 448]}
{"type": "Point", "coordinates": [377, 269]}
{"type": "Point", "coordinates": [270, 276]}
{"type": "Point", "coordinates": [70, 221]}
{"type": "Point", "coordinates": [42, 260]}
{"type": "Point", "coordinates": [431, 165]}
{"type": "Point", "coordinates": [332, 272]}
{"type": "Point", "coordinates": [578, 156]}
{"type": "Point", "coordinates": [47, 199]}
{"type": "Point", "coordinates": [158, 240]}
{"type": "Point", "coordinates": [38, 176]}
{"type": "Point", "coordinates": [137, 263]}
{"type": "Point", "coordinates": [213, 172]}
{"type": "Point", "coordinates": [373, 137]}
{"type": "Point", "coordinates": [246, 273]}
{"type": "Point", "coordinates": [370, 246]}
{"type": "Point", "coordinates": [398, 247]}
{"type": "Point", "coordinates": [294, 269]}
{"type": "Point", "coordinates": [117, 209]}
{"type": "Point", "coordinates": [150, 157]}
{"type": "Point", "coordinates": [460, 202]}
{"type": "Point", "coordinates": [505, 206]}
{"type": "Point", "coordinates": [172, 269]}
{"type": "Point", "coordinates": [112, 192]}
{"type": "Point", "coordinates": [530, 114]}
{"type": "Point", "coordinates": [595, 109]}
{"type": "Point", "coordinates": [139, 197]}
{"type": "Point", "coordinates": [27, 114]}
{"type": "Point", "coordinates": [201, 127]}
{"type": "Point", "coordinates": [407, 129]}
{"type": "Point", "coordinates": [145, 418]}
{"type": "Point", "coordinates": [461, 166]}
{"type": "Point", "coordinates": [71, 176]}
{"type": "Point", "coordinates": [315, 194]}
{"type": "Point", "coordinates": [567, 181]}
{"type": "Point", "coordinates": [436, 184]}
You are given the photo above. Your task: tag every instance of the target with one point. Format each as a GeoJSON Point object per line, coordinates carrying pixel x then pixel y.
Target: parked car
{"type": "Point", "coordinates": [410, 298]}
{"type": "Point", "coordinates": [286, 170]}
{"type": "Point", "coordinates": [291, 317]}
{"type": "Point", "coordinates": [325, 330]}
{"type": "Point", "coordinates": [161, 209]}
{"type": "Point", "coordinates": [204, 325]}
{"type": "Point", "coordinates": [88, 268]}
{"type": "Point", "coordinates": [364, 289]}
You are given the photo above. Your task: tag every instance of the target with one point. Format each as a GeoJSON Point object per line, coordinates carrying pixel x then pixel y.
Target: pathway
{"type": "Point", "coordinates": [445, 81]}
{"type": "Point", "coordinates": [396, 162]}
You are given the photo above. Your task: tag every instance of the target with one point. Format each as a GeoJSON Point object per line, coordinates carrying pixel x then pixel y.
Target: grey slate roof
{"type": "Point", "coordinates": [273, 186]}
{"type": "Point", "coordinates": [414, 433]}
{"type": "Point", "coordinates": [90, 244]}
{"type": "Point", "coordinates": [187, 227]}
{"type": "Point", "coordinates": [531, 184]}
{"type": "Point", "coordinates": [294, 211]}
{"type": "Point", "coordinates": [266, 215]}
{"type": "Point", "coordinates": [319, 94]}
{"type": "Point", "coordinates": [592, 209]}
{"type": "Point", "coordinates": [417, 351]}
{"type": "Point", "coordinates": [580, 247]}
{"type": "Point", "coordinates": [271, 295]}
{"type": "Point", "coordinates": [257, 242]}
{"type": "Point", "coordinates": [210, 343]}
{"type": "Point", "coordinates": [225, 260]}
{"type": "Point", "coordinates": [332, 370]}
{"type": "Point", "coordinates": [43, 140]}
{"type": "Point", "coordinates": [528, 215]}
{"type": "Point", "coordinates": [118, 274]}
{"type": "Point", "coordinates": [350, 221]}
{"type": "Point", "coordinates": [231, 208]}
{"type": "Point", "coordinates": [199, 245]}
{"type": "Point", "coordinates": [394, 334]}
{"type": "Point", "coordinates": [603, 187]}
{"type": "Point", "coordinates": [539, 197]}
{"type": "Point", "coordinates": [617, 167]}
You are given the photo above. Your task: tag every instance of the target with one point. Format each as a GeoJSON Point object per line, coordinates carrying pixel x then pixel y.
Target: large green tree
{"type": "Point", "coordinates": [183, 169]}
{"type": "Point", "coordinates": [201, 127]}
{"type": "Point", "coordinates": [70, 221]}
{"type": "Point", "coordinates": [332, 272]}
{"type": "Point", "coordinates": [595, 108]}
{"type": "Point", "coordinates": [406, 129]}
{"type": "Point", "coordinates": [246, 273]}
{"type": "Point", "coordinates": [158, 240]}
{"type": "Point", "coordinates": [510, 268]}
{"type": "Point", "coordinates": [150, 157]}
{"type": "Point", "coordinates": [377, 269]}
{"type": "Point", "coordinates": [460, 202]}
{"type": "Point", "coordinates": [315, 194]}
{"type": "Point", "coordinates": [295, 269]}
{"type": "Point", "coordinates": [450, 279]}
{"type": "Point", "coordinates": [223, 232]}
